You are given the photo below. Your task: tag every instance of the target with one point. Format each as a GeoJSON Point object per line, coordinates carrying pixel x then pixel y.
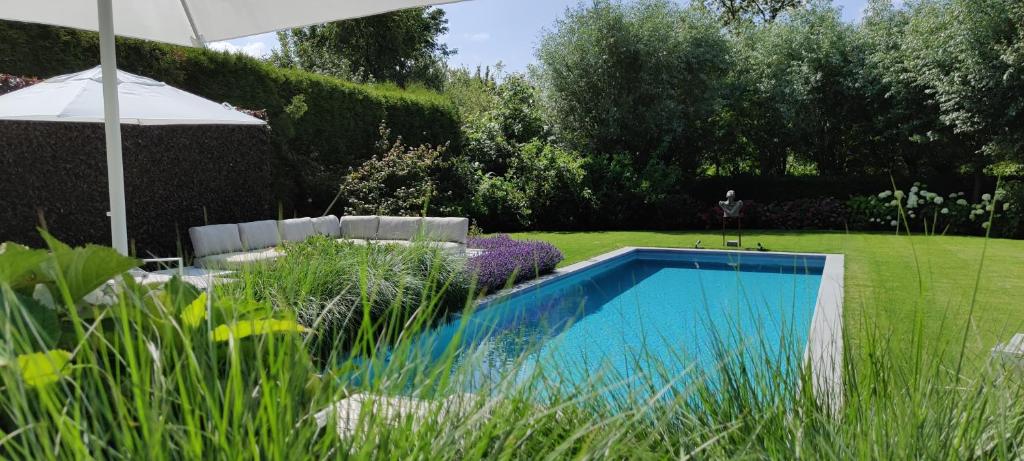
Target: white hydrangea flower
{"type": "Point", "coordinates": [1006, 206]}
{"type": "Point", "coordinates": [984, 225]}
{"type": "Point", "coordinates": [898, 194]}
{"type": "Point", "coordinates": [988, 208]}
{"type": "Point", "coordinates": [938, 200]}
{"type": "Point", "coordinates": [893, 223]}
{"type": "Point", "coordinates": [986, 197]}
{"type": "Point", "coordinates": [944, 211]}
{"type": "Point", "coordinates": [953, 195]}
{"type": "Point", "coordinates": [1000, 194]}
{"type": "Point", "coordinates": [914, 189]}
{"type": "Point", "coordinates": [961, 202]}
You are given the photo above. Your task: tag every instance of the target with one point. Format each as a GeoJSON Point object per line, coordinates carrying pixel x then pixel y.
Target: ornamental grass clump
{"type": "Point", "coordinates": [506, 261]}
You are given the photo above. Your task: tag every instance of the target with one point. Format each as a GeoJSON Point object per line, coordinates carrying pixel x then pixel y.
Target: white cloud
{"type": "Point", "coordinates": [478, 37]}
{"type": "Point", "coordinates": [255, 49]}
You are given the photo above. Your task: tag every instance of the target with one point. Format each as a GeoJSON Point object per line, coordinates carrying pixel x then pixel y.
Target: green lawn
{"type": "Point", "coordinates": [890, 281]}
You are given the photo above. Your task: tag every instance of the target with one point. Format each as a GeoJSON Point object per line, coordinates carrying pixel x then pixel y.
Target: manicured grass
{"type": "Point", "coordinates": [893, 283]}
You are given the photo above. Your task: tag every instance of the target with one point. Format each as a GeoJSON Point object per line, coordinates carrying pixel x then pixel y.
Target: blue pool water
{"type": "Point", "coordinates": [612, 318]}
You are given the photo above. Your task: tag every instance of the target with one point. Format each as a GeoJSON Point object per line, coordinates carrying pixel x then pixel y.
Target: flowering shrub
{"type": "Point", "coordinates": [505, 259]}
{"type": "Point", "coordinates": [930, 211]}
{"type": "Point", "coordinates": [9, 83]}
{"type": "Point", "coordinates": [398, 180]}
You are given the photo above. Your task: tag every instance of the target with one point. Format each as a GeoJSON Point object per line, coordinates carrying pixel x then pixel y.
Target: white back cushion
{"type": "Point", "coordinates": [359, 227]}
{"type": "Point", "coordinates": [446, 229]}
{"type": "Point", "coordinates": [259, 235]}
{"type": "Point", "coordinates": [327, 225]}
{"type": "Point", "coordinates": [215, 239]}
{"type": "Point", "coordinates": [297, 230]}
{"type": "Point", "coordinates": [396, 228]}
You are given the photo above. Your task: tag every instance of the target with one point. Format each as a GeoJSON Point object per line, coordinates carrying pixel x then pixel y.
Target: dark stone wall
{"type": "Point", "coordinates": [54, 175]}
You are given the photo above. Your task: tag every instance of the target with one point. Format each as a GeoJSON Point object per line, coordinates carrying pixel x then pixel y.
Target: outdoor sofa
{"type": "Point", "coordinates": [228, 246]}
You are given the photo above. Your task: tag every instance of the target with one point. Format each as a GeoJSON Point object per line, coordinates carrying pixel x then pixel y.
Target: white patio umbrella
{"type": "Point", "coordinates": [182, 22]}
{"type": "Point", "coordinates": [78, 97]}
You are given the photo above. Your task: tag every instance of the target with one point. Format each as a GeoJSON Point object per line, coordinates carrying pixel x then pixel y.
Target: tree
{"type": "Point", "coordinates": [909, 136]}
{"type": "Point", "coordinates": [401, 47]}
{"type": "Point", "coordinates": [732, 12]}
{"type": "Point", "coordinates": [966, 54]}
{"type": "Point", "coordinates": [796, 94]}
{"type": "Point", "coordinates": [641, 78]}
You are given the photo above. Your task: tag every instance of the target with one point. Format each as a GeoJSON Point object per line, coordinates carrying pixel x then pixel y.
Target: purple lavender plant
{"type": "Point", "coordinates": [505, 259]}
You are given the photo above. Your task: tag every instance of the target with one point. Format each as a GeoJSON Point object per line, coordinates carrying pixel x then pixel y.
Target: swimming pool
{"type": "Point", "coordinates": [653, 311]}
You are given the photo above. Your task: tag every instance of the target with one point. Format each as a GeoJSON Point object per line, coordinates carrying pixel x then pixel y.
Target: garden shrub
{"type": "Point", "coordinates": [934, 213]}
{"type": "Point", "coordinates": [176, 177]}
{"type": "Point", "coordinates": [506, 261]}
{"type": "Point", "coordinates": [397, 181]}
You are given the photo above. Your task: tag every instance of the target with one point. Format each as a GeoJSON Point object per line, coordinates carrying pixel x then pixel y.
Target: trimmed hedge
{"type": "Point", "coordinates": [315, 147]}
{"type": "Point", "coordinates": [176, 177]}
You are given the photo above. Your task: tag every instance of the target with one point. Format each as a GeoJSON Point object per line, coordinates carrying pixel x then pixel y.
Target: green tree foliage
{"type": "Point", "coordinates": [796, 90]}
{"type": "Point", "coordinates": [966, 54]}
{"type": "Point", "coordinates": [544, 186]}
{"type": "Point", "coordinates": [639, 78]}
{"type": "Point", "coordinates": [401, 47]}
{"type": "Point", "coordinates": [733, 12]}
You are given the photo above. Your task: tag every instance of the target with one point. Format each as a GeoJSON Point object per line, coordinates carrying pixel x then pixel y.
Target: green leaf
{"type": "Point", "coordinates": [20, 266]}
{"type": "Point", "coordinates": [86, 268]}
{"type": "Point", "coordinates": [43, 368]}
{"type": "Point", "coordinates": [194, 314]}
{"type": "Point", "coordinates": [244, 328]}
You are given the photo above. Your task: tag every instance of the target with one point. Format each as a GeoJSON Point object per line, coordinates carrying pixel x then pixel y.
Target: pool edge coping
{"type": "Point", "coordinates": [824, 349]}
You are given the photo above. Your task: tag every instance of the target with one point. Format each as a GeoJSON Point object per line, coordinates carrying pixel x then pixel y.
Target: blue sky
{"type": "Point", "coordinates": [488, 31]}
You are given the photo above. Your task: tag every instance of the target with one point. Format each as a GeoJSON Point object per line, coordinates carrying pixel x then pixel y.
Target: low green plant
{"type": "Point", "coordinates": [332, 287]}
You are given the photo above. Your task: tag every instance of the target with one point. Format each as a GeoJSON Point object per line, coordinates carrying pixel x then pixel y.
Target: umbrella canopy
{"type": "Point", "coordinates": [182, 22]}
{"type": "Point", "coordinates": [78, 97]}
{"type": "Point", "coordinates": [194, 22]}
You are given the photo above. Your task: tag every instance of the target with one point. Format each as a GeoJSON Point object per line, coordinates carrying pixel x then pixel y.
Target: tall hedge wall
{"type": "Point", "coordinates": [176, 177]}
{"type": "Point", "coordinates": [337, 130]}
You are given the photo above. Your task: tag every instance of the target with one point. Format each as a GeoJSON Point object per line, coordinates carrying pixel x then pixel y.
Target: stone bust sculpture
{"type": "Point", "coordinates": [730, 206]}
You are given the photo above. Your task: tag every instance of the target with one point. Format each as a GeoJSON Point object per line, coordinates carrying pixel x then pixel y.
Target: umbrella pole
{"type": "Point", "coordinates": [112, 123]}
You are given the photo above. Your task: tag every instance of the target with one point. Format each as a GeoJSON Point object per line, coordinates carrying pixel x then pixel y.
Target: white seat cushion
{"type": "Point", "coordinates": [359, 227]}
{"type": "Point", "coordinates": [238, 259]}
{"type": "Point", "coordinates": [398, 228]}
{"type": "Point", "coordinates": [215, 239]}
{"type": "Point", "coordinates": [327, 225]}
{"type": "Point", "coordinates": [259, 235]}
{"type": "Point", "coordinates": [446, 229]}
{"type": "Point", "coordinates": [297, 230]}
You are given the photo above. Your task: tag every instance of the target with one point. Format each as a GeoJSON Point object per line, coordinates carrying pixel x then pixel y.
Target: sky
{"type": "Point", "coordinates": [486, 32]}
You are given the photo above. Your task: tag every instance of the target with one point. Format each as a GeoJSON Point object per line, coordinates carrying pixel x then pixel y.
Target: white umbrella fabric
{"type": "Point", "coordinates": [182, 22]}
{"type": "Point", "coordinates": [78, 97]}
